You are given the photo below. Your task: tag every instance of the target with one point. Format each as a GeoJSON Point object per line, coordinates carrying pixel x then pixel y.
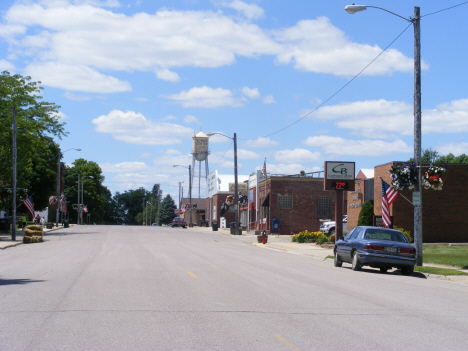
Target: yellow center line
{"type": "Point", "coordinates": [193, 275]}
{"type": "Point", "coordinates": [285, 342]}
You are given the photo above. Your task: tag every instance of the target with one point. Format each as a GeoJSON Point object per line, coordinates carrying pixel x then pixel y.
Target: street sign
{"type": "Point", "coordinates": [416, 198]}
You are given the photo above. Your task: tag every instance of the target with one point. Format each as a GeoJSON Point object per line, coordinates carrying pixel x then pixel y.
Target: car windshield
{"type": "Point", "coordinates": [383, 234]}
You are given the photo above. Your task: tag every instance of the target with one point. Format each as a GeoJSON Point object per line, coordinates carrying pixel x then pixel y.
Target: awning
{"type": "Point", "coordinates": [266, 201]}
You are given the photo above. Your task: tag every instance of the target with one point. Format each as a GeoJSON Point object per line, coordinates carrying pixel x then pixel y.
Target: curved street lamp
{"type": "Point", "coordinates": [351, 9]}
{"type": "Point", "coordinates": [190, 190]}
{"type": "Point", "coordinates": [236, 186]}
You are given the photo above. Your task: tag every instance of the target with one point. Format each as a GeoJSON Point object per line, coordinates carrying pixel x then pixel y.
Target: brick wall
{"type": "Point", "coordinates": [355, 201]}
{"type": "Point", "coordinates": [305, 192]}
{"type": "Point", "coordinates": [444, 212]}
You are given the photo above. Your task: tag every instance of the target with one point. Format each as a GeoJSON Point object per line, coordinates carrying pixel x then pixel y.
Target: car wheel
{"type": "Point", "coordinates": [331, 231]}
{"type": "Point", "coordinates": [337, 260]}
{"type": "Point", "coordinates": [383, 270]}
{"type": "Point", "coordinates": [355, 263]}
{"type": "Point", "coordinates": [407, 270]}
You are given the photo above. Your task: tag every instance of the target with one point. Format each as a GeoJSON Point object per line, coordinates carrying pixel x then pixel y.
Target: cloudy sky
{"type": "Point", "coordinates": [137, 78]}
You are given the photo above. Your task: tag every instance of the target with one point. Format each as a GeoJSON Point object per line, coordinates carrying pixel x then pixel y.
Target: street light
{"type": "Point", "coordinates": [190, 190]}
{"type": "Point", "coordinates": [59, 156]}
{"type": "Point", "coordinates": [417, 118]}
{"type": "Point", "coordinates": [236, 195]}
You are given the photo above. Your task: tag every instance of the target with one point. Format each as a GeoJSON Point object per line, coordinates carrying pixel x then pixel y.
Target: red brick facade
{"type": "Point", "coordinates": [444, 212]}
{"type": "Point", "coordinates": [355, 201]}
{"type": "Point", "coordinates": [305, 193]}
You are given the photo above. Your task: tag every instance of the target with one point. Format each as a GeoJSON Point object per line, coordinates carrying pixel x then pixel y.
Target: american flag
{"type": "Point", "coordinates": [29, 203]}
{"type": "Point", "coordinates": [64, 207]}
{"type": "Point", "coordinates": [85, 209]}
{"type": "Point", "coordinates": [264, 170]}
{"type": "Point", "coordinates": [388, 196]}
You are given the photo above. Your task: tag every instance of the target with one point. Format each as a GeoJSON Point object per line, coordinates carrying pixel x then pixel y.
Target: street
{"type": "Point", "coordinates": [158, 288]}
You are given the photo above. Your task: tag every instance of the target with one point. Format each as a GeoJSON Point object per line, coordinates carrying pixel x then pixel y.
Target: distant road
{"type": "Point", "coordinates": [156, 288]}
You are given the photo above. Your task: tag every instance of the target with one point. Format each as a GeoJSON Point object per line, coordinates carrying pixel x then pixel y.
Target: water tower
{"type": "Point", "coordinates": [200, 153]}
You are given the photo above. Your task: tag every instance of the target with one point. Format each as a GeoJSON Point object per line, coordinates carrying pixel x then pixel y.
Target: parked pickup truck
{"type": "Point", "coordinates": [329, 227]}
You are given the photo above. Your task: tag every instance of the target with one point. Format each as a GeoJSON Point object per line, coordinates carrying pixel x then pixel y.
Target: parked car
{"type": "Point", "coordinates": [179, 222]}
{"type": "Point", "coordinates": [329, 227]}
{"type": "Point", "coordinates": [376, 247]}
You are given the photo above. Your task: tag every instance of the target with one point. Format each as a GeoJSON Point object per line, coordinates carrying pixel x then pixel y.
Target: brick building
{"type": "Point", "coordinates": [298, 202]}
{"type": "Point", "coordinates": [213, 208]}
{"type": "Point", "coordinates": [444, 212]}
{"type": "Point", "coordinates": [364, 191]}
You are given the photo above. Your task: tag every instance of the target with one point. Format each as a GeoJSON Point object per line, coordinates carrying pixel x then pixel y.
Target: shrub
{"type": "Point", "coordinates": [406, 232]}
{"type": "Point", "coordinates": [366, 215]}
{"type": "Point", "coordinates": [322, 238]}
{"type": "Point", "coordinates": [306, 236]}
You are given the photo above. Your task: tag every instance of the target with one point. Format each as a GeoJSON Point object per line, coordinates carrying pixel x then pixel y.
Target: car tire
{"type": "Point", "coordinates": [331, 231]}
{"type": "Point", "coordinates": [356, 266]}
{"type": "Point", "coordinates": [383, 270]}
{"type": "Point", "coordinates": [337, 260]}
{"type": "Point", "coordinates": [407, 270]}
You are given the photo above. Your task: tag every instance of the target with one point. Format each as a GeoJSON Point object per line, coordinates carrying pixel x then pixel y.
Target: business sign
{"type": "Point", "coordinates": [240, 187]}
{"type": "Point", "coordinates": [339, 175]}
{"type": "Point", "coordinates": [212, 184]}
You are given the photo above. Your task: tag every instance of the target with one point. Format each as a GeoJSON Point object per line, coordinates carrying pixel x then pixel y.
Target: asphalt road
{"type": "Point", "coordinates": [134, 288]}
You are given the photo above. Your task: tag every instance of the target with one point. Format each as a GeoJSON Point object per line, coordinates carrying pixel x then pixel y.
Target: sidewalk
{"type": "Point", "coordinates": [5, 238]}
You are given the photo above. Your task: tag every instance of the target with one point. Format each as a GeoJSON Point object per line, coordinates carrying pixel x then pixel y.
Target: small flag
{"type": "Point", "coordinates": [64, 207]}
{"type": "Point", "coordinates": [388, 196]}
{"type": "Point", "coordinates": [29, 203]}
{"type": "Point", "coordinates": [85, 209]}
{"type": "Point", "coordinates": [264, 170]}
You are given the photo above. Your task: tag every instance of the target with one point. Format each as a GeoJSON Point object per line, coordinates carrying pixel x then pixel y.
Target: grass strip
{"type": "Point", "coordinates": [456, 256]}
{"type": "Point", "coordinates": [437, 270]}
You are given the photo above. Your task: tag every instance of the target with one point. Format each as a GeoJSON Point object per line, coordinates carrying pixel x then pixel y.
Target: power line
{"type": "Point", "coordinates": [448, 8]}
{"type": "Point", "coordinates": [223, 154]}
{"type": "Point", "coordinates": [338, 91]}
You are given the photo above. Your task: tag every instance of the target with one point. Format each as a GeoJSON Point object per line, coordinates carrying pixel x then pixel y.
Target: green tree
{"type": "Point", "coordinates": [366, 215]}
{"type": "Point", "coordinates": [113, 213]}
{"type": "Point", "coordinates": [131, 203]}
{"type": "Point", "coordinates": [451, 158]}
{"type": "Point", "coordinates": [94, 193]}
{"type": "Point", "coordinates": [167, 210]}
{"type": "Point", "coordinates": [36, 150]}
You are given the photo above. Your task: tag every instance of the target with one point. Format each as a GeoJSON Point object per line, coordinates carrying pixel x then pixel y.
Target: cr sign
{"type": "Point", "coordinates": [339, 170]}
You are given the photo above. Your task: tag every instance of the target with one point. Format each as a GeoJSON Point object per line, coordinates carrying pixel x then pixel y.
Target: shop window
{"type": "Point", "coordinates": [324, 209]}
{"type": "Point", "coordinates": [285, 202]}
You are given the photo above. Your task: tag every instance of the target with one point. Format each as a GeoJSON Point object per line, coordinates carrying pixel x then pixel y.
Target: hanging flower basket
{"type": "Point", "coordinates": [403, 176]}
{"type": "Point", "coordinates": [433, 178]}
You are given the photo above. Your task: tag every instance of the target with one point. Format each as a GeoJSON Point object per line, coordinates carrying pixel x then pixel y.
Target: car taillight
{"type": "Point", "coordinates": [408, 251]}
{"type": "Point", "coordinates": [373, 247]}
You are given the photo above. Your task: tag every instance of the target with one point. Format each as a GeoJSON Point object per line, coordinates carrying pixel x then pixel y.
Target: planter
{"type": "Point", "coordinates": [49, 225]}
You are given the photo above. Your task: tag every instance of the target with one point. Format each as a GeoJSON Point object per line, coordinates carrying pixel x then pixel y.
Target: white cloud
{"type": "Point", "coordinates": [191, 119]}
{"type": "Point", "coordinates": [6, 66]}
{"type": "Point", "coordinates": [269, 99]}
{"type": "Point", "coordinates": [261, 142]}
{"type": "Point", "coordinates": [204, 97]}
{"type": "Point", "coordinates": [454, 148]}
{"type": "Point", "coordinates": [380, 117]}
{"type": "Point", "coordinates": [251, 11]}
{"type": "Point", "coordinates": [123, 167]}
{"type": "Point", "coordinates": [134, 128]}
{"type": "Point", "coordinates": [251, 93]}
{"type": "Point", "coordinates": [75, 97]}
{"type": "Point", "coordinates": [318, 46]}
{"type": "Point", "coordinates": [99, 3]}
{"type": "Point", "coordinates": [339, 146]}
{"type": "Point", "coordinates": [168, 118]}
{"type": "Point", "coordinates": [80, 40]}
{"type": "Point", "coordinates": [75, 78]}
{"type": "Point", "coordinates": [168, 76]}
{"type": "Point", "coordinates": [287, 169]}
{"type": "Point", "coordinates": [172, 152]}
{"type": "Point", "coordinates": [297, 156]}
{"type": "Point", "coordinates": [141, 99]}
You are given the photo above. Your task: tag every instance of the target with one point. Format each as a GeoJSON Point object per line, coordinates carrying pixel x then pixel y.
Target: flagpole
{"type": "Point", "coordinates": [13, 212]}
{"type": "Point", "coordinates": [401, 195]}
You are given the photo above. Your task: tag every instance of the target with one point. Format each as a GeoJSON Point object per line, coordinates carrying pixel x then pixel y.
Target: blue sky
{"type": "Point", "coordinates": [137, 78]}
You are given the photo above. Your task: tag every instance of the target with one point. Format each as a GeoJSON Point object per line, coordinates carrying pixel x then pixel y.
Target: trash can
{"type": "Point", "coordinates": [4, 224]}
{"type": "Point", "coordinates": [232, 226]}
{"type": "Point", "coordinates": [214, 225]}
{"type": "Point", "coordinates": [65, 224]}
{"type": "Point", "coordinates": [201, 223]}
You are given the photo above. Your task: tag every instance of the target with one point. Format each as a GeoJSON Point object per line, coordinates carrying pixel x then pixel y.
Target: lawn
{"type": "Point", "coordinates": [456, 256]}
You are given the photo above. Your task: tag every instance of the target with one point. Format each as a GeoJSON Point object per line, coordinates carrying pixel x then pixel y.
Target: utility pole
{"type": "Point", "coordinates": [190, 191]}
{"type": "Point", "coordinates": [159, 205]}
{"type": "Point", "coordinates": [57, 213]}
{"type": "Point", "coordinates": [236, 189]}
{"type": "Point", "coordinates": [13, 211]}
{"type": "Point", "coordinates": [79, 203]}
